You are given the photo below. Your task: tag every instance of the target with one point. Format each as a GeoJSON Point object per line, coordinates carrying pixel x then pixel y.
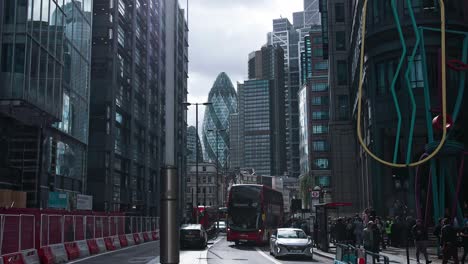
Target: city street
{"type": "Point", "coordinates": [142, 253]}
{"type": "Point", "coordinates": [225, 252]}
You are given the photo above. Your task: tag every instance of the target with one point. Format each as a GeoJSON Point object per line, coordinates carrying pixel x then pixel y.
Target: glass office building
{"type": "Point", "coordinates": [44, 87]}
{"type": "Point", "coordinates": [224, 99]}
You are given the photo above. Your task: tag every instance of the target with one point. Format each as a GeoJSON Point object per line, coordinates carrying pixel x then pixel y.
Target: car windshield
{"type": "Point", "coordinates": [291, 234]}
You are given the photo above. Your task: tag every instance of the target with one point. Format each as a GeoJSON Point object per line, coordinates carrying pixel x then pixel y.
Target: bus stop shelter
{"type": "Point", "coordinates": [322, 213]}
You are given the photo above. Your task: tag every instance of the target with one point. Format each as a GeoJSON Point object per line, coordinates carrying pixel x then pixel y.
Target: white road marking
{"type": "Point", "coordinates": [108, 252]}
{"type": "Point", "coordinates": [192, 257]}
{"type": "Point", "coordinates": [270, 258]}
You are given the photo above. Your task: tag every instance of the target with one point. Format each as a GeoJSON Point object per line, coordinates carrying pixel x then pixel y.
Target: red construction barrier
{"type": "Point", "coordinates": [123, 241]}
{"type": "Point", "coordinates": [145, 237]}
{"type": "Point", "coordinates": [30, 256]}
{"type": "Point", "coordinates": [155, 235]}
{"type": "Point", "coordinates": [14, 258]}
{"type": "Point", "coordinates": [46, 256]}
{"type": "Point", "coordinates": [72, 250]}
{"type": "Point", "coordinates": [136, 236]}
{"type": "Point", "coordinates": [109, 243]}
{"type": "Point", "coordinates": [93, 247]}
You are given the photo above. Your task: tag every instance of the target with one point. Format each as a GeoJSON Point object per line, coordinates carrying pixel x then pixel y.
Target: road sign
{"type": "Point", "coordinates": [315, 194]}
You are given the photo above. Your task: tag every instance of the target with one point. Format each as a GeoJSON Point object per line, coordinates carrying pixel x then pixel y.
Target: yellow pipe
{"type": "Point", "coordinates": [444, 93]}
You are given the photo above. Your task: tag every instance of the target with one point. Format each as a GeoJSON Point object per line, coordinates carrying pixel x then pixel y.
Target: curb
{"type": "Point", "coordinates": [321, 254]}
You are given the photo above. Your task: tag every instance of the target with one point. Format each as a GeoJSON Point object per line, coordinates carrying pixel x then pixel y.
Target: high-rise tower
{"type": "Point", "coordinates": [216, 121]}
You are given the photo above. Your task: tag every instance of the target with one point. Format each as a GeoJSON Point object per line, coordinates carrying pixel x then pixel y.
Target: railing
{"type": "Point", "coordinates": [20, 232]}
{"type": "Point", "coordinates": [16, 233]}
{"type": "Point", "coordinates": [66, 228]}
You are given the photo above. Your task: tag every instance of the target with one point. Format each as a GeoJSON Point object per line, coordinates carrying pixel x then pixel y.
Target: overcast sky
{"type": "Point", "coordinates": [221, 35]}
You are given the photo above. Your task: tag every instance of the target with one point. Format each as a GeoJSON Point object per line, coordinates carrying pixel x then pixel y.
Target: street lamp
{"type": "Point", "coordinates": [196, 151]}
{"type": "Point", "coordinates": [217, 173]}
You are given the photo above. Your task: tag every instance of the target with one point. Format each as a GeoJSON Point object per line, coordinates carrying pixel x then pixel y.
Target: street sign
{"type": "Point", "coordinates": [315, 194]}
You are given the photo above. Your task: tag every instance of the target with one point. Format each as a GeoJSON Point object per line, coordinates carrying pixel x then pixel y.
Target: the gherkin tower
{"type": "Point", "coordinates": [224, 102]}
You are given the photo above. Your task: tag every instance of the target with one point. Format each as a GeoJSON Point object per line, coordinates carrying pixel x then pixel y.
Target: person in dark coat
{"type": "Point", "coordinates": [420, 237]}
{"type": "Point", "coordinates": [340, 231]}
{"type": "Point", "coordinates": [438, 233]}
{"type": "Point", "coordinates": [449, 242]}
{"type": "Point", "coordinates": [464, 235]}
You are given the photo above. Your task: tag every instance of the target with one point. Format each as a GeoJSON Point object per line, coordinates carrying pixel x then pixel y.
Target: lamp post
{"type": "Point", "coordinates": [196, 151]}
{"type": "Point", "coordinates": [217, 174]}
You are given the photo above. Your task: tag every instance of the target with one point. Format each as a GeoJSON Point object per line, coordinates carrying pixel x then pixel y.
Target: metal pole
{"type": "Point", "coordinates": [170, 231]}
{"type": "Point", "coordinates": [196, 164]}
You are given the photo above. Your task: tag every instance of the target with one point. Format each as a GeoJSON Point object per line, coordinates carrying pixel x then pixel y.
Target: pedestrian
{"type": "Point", "coordinates": [358, 229]}
{"type": "Point", "coordinates": [380, 226]}
{"type": "Point", "coordinates": [371, 239]}
{"type": "Point", "coordinates": [464, 235]}
{"type": "Point", "coordinates": [388, 231]}
{"type": "Point", "coordinates": [340, 231]}
{"type": "Point", "coordinates": [449, 242]}
{"type": "Point", "coordinates": [368, 236]}
{"type": "Point", "coordinates": [438, 233]}
{"type": "Point", "coordinates": [420, 240]}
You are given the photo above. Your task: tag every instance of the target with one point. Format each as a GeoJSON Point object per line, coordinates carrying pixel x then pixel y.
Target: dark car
{"type": "Point", "coordinates": [193, 235]}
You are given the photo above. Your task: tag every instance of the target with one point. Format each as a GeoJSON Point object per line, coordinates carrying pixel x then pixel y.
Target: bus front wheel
{"type": "Point", "coordinates": [236, 243]}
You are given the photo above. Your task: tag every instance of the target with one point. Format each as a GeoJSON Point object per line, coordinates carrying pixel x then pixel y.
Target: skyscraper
{"type": "Point", "coordinates": [216, 120]}
{"type": "Point", "coordinates": [44, 89]}
{"type": "Point", "coordinates": [310, 16]}
{"type": "Point", "coordinates": [130, 56]}
{"type": "Point", "coordinates": [314, 114]}
{"type": "Point", "coordinates": [262, 115]}
{"type": "Point", "coordinates": [192, 137]}
{"type": "Point", "coordinates": [287, 37]}
{"type": "Point", "coordinates": [337, 18]}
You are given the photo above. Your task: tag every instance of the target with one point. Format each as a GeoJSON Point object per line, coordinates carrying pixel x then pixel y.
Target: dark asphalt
{"type": "Point", "coordinates": [225, 252]}
{"type": "Point", "coordinates": [142, 253]}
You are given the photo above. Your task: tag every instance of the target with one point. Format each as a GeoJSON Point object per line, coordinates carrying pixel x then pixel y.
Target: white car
{"type": "Point", "coordinates": [222, 226]}
{"type": "Point", "coordinates": [290, 241]}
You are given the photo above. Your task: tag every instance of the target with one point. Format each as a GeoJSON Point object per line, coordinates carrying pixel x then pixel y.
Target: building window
{"type": "Point", "coordinates": [320, 145]}
{"type": "Point", "coordinates": [384, 75]}
{"type": "Point", "coordinates": [321, 163]}
{"type": "Point", "coordinates": [340, 40]}
{"type": "Point", "coordinates": [320, 100]}
{"type": "Point", "coordinates": [343, 107]}
{"type": "Point", "coordinates": [416, 73]}
{"type": "Point", "coordinates": [319, 115]}
{"type": "Point", "coordinates": [323, 181]}
{"type": "Point", "coordinates": [204, 168]}
{"type": "Point", "coordinates": [339, 13]}
{"type": "Point", "coordinates": [318, 52]}
{"type": "Point", "coordinates": [317, 40]}
{"type": "Point", "coordinates": [319, 87]}
{"type": "Point", "coordinates": [341, 72]}
{"type": "Point", "coordinates": [319, 129]}
{"type": "Point", "coordinates": [323, 65]}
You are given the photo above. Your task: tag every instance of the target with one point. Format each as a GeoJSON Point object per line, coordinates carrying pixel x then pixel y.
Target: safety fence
{"type": "Point", "coordinates": [20, 232]}
{"type": "Point", "coordinates": [348, 254]}
{"type": "Point", "coordinates": [16, 233]}
{"type": "Point", "coordinates": [67, 228]}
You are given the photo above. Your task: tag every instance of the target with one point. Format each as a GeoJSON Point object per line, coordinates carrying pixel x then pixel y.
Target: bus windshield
{"type": "Point", "coordinates": [245, 208]}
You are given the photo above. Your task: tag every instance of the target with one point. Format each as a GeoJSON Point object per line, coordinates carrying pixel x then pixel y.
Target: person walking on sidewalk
{"type": "Point", "coordinates": [371, 239]}
{"type": "Point", "coordinates": [438, 233]}
{"type": "Point", "coordinates": [449, 242]}
{"type": "Point", "coordinates": [420, 240]}
{"type": "Point", "coordinates": [358, 229]}
{"type": "Point", "coordinates": [464, 235]}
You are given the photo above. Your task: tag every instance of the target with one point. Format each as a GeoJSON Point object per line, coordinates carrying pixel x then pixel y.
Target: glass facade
{"type": "Point", "coordinates": [45, 60]}
{"type": "Point", "coordinates": [257, 126]}
{"type": "Point", "coordinates": [216, 120]}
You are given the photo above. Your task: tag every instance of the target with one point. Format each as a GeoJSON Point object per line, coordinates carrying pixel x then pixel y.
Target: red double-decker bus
{"type": "Point", "coordinates": [254, 212]}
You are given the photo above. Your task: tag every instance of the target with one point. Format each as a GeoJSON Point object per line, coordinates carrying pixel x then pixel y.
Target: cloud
{"type": "Point", "coordinates": [221, 35]}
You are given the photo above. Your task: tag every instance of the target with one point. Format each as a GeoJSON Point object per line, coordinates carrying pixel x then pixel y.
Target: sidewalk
{"type": "Point", "coordinates": [397, 255]}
